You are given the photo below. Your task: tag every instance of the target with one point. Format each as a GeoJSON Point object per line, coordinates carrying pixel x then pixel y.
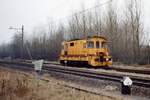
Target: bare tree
{"type": "Point", "coordinates": [111, 29]}
{"type": "Point", "coordinates": [136, 28]}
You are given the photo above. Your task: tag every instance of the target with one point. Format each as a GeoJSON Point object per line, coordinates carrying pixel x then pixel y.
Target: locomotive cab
{"type": "Point", "coordinates": [99, 48]}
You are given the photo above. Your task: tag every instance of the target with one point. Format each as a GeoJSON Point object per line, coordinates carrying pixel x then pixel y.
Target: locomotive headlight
{"type": "Point", "coordinates": [107, 59]}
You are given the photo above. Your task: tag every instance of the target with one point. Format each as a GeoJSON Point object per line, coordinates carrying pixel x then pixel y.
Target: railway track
{"type": "Point", "coordinates": [137, 81]}
{"type": "Point", "coordinates": [128, 69]}
{"type": "Point", "coordinates": [124, 68]}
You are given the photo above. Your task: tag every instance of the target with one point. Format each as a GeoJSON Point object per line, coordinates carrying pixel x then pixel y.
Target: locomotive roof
{"type": "Point", "coordinates": [89, 37]}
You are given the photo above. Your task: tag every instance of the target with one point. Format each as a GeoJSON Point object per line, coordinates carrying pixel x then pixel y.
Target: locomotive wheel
{"type": "Point", "coordinates": [63, 62]}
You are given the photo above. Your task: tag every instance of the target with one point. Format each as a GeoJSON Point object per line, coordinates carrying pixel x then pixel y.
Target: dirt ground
{"type": "Point", "coordinates": [15, 85]}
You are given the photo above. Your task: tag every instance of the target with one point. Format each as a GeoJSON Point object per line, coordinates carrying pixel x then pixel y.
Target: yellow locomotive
{"type": "Point", "coordinates": [92, 51]}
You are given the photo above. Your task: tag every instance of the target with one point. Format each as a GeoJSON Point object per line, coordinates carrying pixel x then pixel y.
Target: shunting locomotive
{"type": "Point", "coordinates": [92, 51]}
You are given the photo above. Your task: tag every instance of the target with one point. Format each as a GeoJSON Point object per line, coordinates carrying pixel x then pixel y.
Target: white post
{"type": "Point", "coordinates": [38, 66]}
{"type": "Point", "coordinates": [126, 85]}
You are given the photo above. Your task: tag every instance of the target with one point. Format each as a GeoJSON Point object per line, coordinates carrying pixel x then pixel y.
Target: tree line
{"type": "Point", "coordinates": [127, 41]}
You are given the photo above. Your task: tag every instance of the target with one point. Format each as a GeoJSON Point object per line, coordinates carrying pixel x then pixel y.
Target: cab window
{"type": "Point", "coordinates": [90, 44]}
{"type": "Point", "coordinates": [97, 44]}
{"type": "Point", "coordinates": [72, 44]}
{"type": "Point", "coordinates": [104, 45]}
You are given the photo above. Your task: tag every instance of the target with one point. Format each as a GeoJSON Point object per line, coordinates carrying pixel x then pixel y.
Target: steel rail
{"type": "Point", "coordinates": [113, 67]}
{"type": "Point", "coordinates": [100, 76]}
{"type": "Point", "coordinates": [83, 73]}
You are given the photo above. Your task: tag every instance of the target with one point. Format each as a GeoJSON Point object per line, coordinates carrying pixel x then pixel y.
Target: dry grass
{"type": "Point", "coordinates": [17, 86]}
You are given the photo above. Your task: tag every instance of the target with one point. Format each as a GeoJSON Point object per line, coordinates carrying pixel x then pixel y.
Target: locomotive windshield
{"type": "Point", "coordinates": [104, 45]}
{"type": "Point", "coordinates": [90, 44]}
{"type": "Point", "coordinates": [97, 44]}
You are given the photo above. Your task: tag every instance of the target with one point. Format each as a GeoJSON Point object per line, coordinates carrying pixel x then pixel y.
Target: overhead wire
{"type": "Point", "coordinates": [85, 10]}
{"type": "Point", "coordinates": [97, 6]}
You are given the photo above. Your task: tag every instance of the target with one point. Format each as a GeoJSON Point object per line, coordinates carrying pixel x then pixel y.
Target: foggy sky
{"type": "Point", "coordinates": [34, 12]}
